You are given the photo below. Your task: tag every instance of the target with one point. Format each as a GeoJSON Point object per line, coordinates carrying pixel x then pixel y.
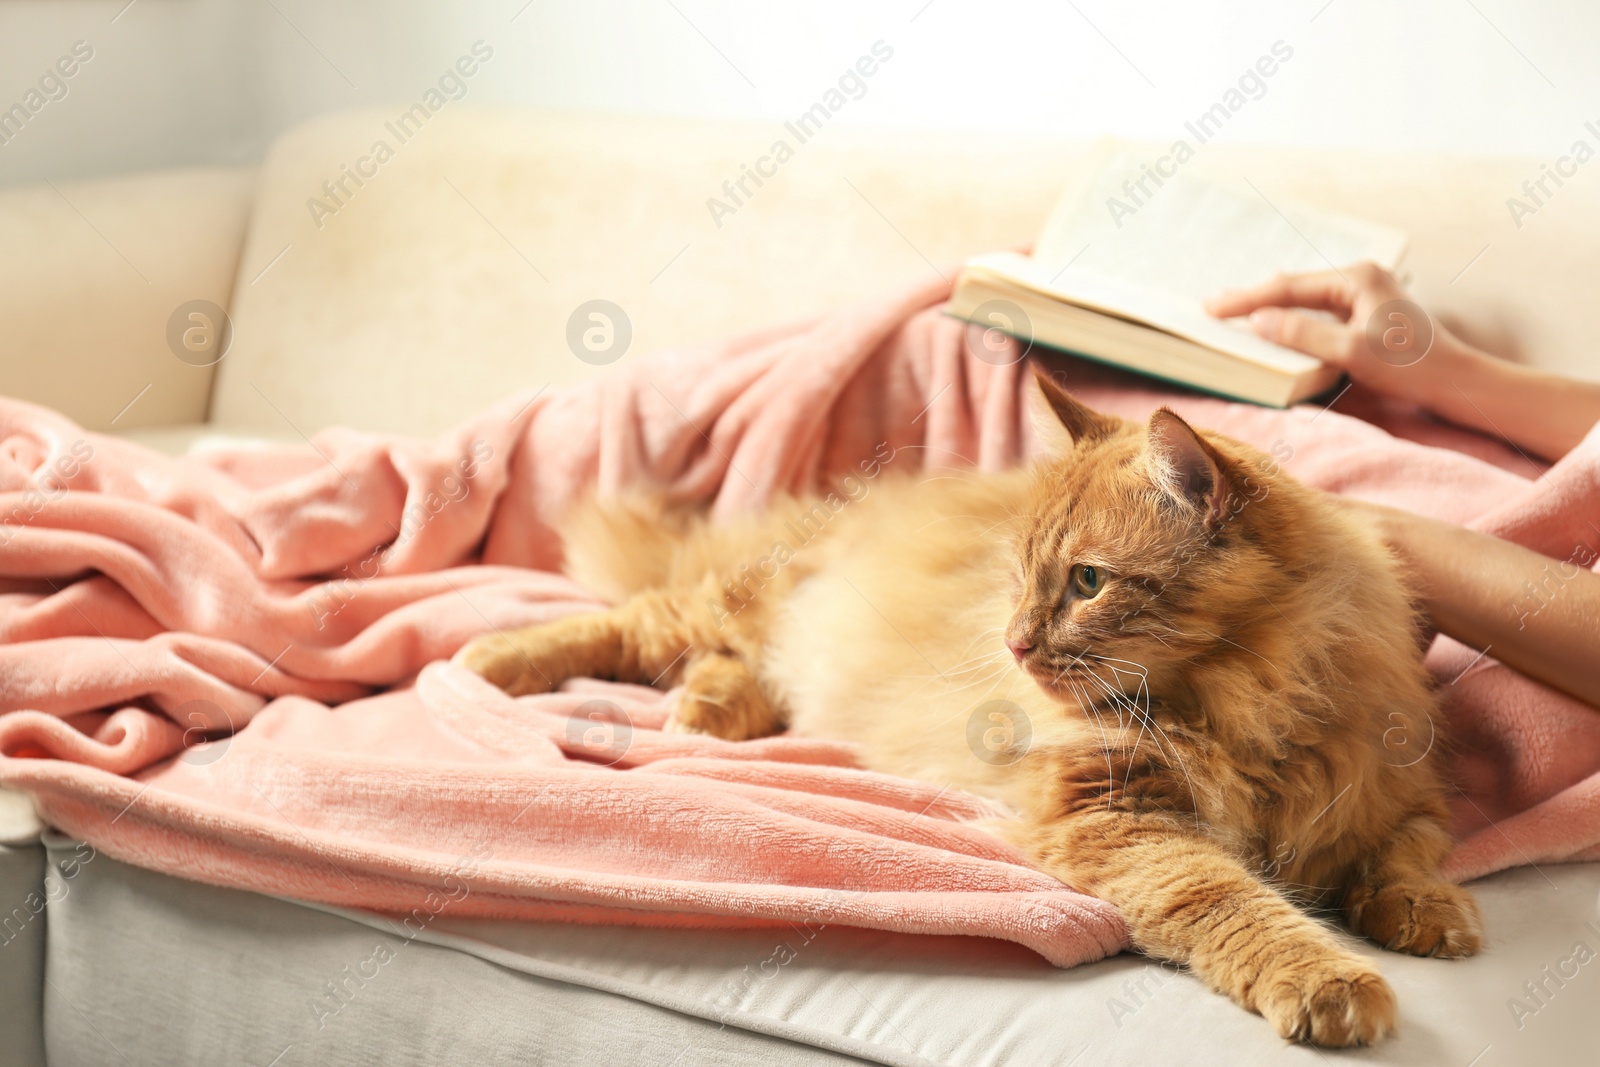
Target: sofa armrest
{"type": "Point", "coordinates": [93, 272]}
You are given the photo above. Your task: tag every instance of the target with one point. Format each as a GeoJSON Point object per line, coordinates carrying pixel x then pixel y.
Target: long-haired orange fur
{"type": "Point", "coordinates": [1177, 666]}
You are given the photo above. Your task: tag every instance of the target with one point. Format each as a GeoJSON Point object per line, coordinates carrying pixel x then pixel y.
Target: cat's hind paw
{"type": "Point", "coordinates": [1423, 918]}
{"type": "Point", "coordinates": [676, 725]}
{"type": "Point", "coordinates": [722, 698]}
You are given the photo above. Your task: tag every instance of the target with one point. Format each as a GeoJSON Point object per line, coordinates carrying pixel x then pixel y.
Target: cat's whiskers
{"type": "Point", "coordinates": [990, 529]}
{"type": "Point", "coordinates": [1156, 627]}
{"type": "Point", "coordinates": [982, 667]}
{"type": "Point", "coordinates": [1119, 700]}
{"type": "Point", "coordinates": [989, 664]}
{"type": "Point", "coordinates": [1089, 708]}
{"type": "Point", "coordinates": [954, 517]}
{"type": "Point", "coordinates": [994, 683]}
{"type": "Point", "coordinates": [1143, 724]}
{"type": "Point", "coordinates": [932, 448]}
{"type": "Point", "coordinates": [979, 665]}
{"type": "Point", "coordinates": [994, 634]}
{"type": "Point", "coordinates": [1138, 668]}
{"type": "Point", "coordinates": [1010, 518]}
{"type": "Point", "coordinates": [1063, 674]}
{"type": "Point", "coordinates": [1242, 648]}
{"type": "Point", "coordinates": [1146, 717]}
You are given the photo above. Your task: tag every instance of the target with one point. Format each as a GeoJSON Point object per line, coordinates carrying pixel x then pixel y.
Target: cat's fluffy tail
{"type": "Point", "coordinates": [621, 547]}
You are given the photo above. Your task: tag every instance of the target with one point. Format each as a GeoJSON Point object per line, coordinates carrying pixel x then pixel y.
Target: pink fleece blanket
{"type": "Point", "coordinates": [310, 599]}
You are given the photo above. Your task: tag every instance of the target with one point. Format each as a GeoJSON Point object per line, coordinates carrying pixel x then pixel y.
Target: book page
{"type": "Point", "coordinates": [1191, 236]}
{"type": "Point", "coordinates": [1178, 315]}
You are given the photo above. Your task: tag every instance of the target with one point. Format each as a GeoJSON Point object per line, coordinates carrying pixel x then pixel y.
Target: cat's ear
{"type": "Point", "coordinates": [1055, 410]}
{"type": "Point", "coordinates": [1187, 467]}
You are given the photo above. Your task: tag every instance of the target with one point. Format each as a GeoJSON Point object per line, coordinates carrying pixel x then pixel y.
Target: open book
{"type": "Point", "coordinates": [1119, 273]}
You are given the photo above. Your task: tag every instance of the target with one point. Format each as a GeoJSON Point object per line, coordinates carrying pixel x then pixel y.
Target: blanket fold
{"type": "Point", "coordinates": [235, 667]}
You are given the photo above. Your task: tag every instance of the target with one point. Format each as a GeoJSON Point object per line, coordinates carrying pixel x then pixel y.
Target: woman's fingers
{"type": "Point", "coordinates": [1314, 335]}
{"type": "Point", "coordinates": [1324, 291]}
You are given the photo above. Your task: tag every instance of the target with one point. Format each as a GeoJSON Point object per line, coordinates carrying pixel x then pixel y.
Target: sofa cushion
{"type": "Point", "coordinates": [93, 275]}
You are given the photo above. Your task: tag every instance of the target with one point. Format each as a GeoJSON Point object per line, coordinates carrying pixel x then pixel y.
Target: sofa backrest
{"type": "Point", "coordinates": [439, 268]}
{"type": "Point", "coordinates": [448, 278]}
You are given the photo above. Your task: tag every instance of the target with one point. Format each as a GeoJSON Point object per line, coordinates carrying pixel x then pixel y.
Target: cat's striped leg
{"type": "Point", "coordinates": [646, 640]}
{"type": "Point", "coordinates": [1186, 900]}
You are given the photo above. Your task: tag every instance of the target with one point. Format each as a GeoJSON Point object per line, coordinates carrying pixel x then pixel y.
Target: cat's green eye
{"type": "Point", "coordinates": [1088, 580]}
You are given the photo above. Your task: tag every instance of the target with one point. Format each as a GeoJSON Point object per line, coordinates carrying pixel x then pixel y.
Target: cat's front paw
{"type": "Point", "coordinates": [1423, 918]}
{"type": "Point", "coordinates": [1330, 1000]}
{"type": "Point", "coordinates": [505, 663]}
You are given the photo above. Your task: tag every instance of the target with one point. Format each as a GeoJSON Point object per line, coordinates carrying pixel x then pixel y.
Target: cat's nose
{"type": "Point", "coordinates": [1018, 649]}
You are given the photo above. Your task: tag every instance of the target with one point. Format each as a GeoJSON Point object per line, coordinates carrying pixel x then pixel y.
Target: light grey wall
{"type": "Point", "coordinates": [165, 87]}
{"type": "Point", "coordinates": [189, 81]}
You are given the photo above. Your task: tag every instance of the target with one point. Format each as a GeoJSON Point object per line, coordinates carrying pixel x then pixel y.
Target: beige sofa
{"type": "Point", "coordinates": [445, 278]}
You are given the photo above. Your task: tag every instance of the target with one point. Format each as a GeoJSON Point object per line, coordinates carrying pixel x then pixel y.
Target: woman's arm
{"type": "Point", "coordinates": [1536, 614]}
{"type": "Point", "coordinates": [1542, 413]}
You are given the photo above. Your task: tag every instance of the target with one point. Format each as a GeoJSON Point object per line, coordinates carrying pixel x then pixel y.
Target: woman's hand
{"type": "Point", "coordinates": [1377, 335]}
{"type": "Point", "coordinates": [1389, 344]}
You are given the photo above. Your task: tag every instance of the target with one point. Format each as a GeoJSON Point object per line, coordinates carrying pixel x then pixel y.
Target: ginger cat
{"type": "Point", "coordinates": [1176, 665]}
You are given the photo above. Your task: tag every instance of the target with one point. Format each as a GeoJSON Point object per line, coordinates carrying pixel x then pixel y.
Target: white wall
{"type": "Point", "coordinates": [187, 81]}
